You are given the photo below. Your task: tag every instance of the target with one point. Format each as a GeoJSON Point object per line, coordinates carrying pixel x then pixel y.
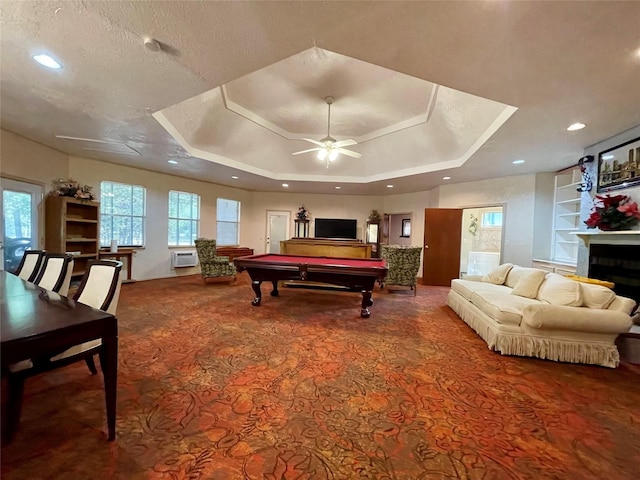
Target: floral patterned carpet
{"type": "Point", "coordinates": [303, 388]}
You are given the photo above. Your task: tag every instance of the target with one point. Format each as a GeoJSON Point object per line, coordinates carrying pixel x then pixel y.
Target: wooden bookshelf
{"type": "Point", "coordinates": [73, 226]}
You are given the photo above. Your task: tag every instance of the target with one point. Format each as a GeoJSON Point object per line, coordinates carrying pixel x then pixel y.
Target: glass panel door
{"type": "Point", "coordinates": [19, 203]}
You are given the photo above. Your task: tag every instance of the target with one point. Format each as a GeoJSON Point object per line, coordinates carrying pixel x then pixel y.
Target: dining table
{"type": "Point", "coordinates": [38, 323]}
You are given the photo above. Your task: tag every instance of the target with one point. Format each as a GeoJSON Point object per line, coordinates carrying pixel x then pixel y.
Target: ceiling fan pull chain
{"type": "Point", "coordinates": [329, 122]}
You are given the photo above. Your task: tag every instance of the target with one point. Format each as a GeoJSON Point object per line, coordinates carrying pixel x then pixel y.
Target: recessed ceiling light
{"type": "Point", "coordinates": [576, 126]}
{"type": "Point", "coordinates": [338, 188]}
{"type": "Point", "coordinates": [389, 186]}
{"type": "Point", "coordinates": [235, 177]}
{"type": "Point", "coordinates": [172, 162]}
{"type": "Point", "coordinates": [608, 157]}
{"type": "Point", "coordinates": [47, 61]}
{"type": "Point", "coordinates": [446, 178]}
{"type": "Point", "coordinates": [518, 162]}
{"type": "Point", "coordinates": [285, 185]}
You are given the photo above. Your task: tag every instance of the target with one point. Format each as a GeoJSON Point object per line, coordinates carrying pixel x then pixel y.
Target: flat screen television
{"type": "Point", "coordinates": [336, 228]}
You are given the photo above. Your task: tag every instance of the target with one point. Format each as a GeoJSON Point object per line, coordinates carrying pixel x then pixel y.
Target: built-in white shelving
{"type": "Point", "coordinates": [566, 216]}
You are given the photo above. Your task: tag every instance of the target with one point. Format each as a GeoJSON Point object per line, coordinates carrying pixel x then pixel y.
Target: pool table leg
{"type": "Point", "coordinates": [366, 302]}
{"type": "Point", "coordinates": [274, 292]}
{"type": "Point", "coordinates": [256, 288]}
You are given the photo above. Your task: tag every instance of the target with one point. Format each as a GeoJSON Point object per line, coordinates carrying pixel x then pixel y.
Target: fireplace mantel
{"type": "Point", "coordinates": [623, 237]}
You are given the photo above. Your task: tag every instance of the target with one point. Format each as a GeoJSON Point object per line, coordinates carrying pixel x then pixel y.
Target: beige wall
{"type": "Point", "coordinates": [319, 206]}
{"type": "Point", "coordinates": [395, 229]}
{"type": "Point", "coordinates": [414, 204]}
{"type": "Point", "coordinates": [32, 162]}
{"type": "Point", "coordinates": [23, 159]}
{"type": "Point", "coordinates": [517, 194]}
{"type": "Point", "coordinates": [154, 260]}
{"type": "Point", "coordinates": [28, 160]}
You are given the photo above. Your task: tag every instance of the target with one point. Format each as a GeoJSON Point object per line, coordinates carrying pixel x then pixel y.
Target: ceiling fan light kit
{"type": "Point", "coordinates": [328, 148]}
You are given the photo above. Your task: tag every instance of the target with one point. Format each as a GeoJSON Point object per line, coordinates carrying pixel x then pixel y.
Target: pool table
{"type": "Point", "coordinates": [355, 274]}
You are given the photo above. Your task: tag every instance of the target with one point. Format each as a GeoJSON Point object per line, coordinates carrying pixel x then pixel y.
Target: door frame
{"type": "Point", "coordinates": [276, 213]}
{"type": "Point", "coordinates": [37, 202]}
{"type": "Point", "coordinates": [504, 221]}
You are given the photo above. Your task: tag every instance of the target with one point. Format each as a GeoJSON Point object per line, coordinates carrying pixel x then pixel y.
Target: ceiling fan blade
{"type": "Point", "coordinates": [349, 153]}
{"type": "Point", "coordinates": [345, 143]}
{"type": "Point", "coordinates": [315, 142]}
{"type": "Point", "coordinates": [306, 151]}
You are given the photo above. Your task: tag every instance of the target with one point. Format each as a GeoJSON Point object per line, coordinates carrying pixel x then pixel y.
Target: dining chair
{"type": "Point", "coordinates": [55, 274]}
{"type": "Point", "coordinates": [99, 288]}
{"type": "Point", "coordinates": [30, 265]}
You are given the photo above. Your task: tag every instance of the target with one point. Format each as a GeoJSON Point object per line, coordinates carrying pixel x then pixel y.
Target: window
{"type": "Point", "coordinates": [492, 219]}
{"type": "Point", "coordinates": [184, 218]}
{"type": "Point", "coordinates": [122, 210]}
{"type": "Point", "coordinates": [406, 228]}
{"type": "Point", "coordinates": [228, 219]}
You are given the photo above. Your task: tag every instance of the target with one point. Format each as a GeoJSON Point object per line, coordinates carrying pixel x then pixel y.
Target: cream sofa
{"type": "Point", "coordinates": [530, 312]}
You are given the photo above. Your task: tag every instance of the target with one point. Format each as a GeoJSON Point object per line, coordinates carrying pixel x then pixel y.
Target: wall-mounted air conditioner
{"type": "Point", "coordinates": [184, 258]}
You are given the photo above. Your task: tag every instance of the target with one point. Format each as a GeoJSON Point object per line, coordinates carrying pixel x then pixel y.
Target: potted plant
{"type": "Point", "coordinates": [303, 213]}
{"type": "Point", "coordinates": [374, 217]}
{"type": "Point", "coordinates": [71, 188]}
{"type": "Point", "coordinates": [613, 213]}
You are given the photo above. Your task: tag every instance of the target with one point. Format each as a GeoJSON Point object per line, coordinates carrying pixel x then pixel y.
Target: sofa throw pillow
{"type": "Point", "coordinates": [529, 284]}
{"type": "Point", "coordinates": [558, 290]}
{"type": "Point", "coordinates": [596, 296]}
{"type": "Point", "coordinates": [498, 275]}
{"type": "Point", "coordinates": [517, 272]}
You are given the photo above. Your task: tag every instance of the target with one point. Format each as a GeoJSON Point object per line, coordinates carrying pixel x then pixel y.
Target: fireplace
{"type": "Point", "coordinates": [614, 257]}
{"type": "Point", "coordinates": [619, 264]}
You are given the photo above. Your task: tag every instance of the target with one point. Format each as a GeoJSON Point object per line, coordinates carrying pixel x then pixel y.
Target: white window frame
{"type": "Point", "coordinates": [486, 215]}
{"type": "Point", "coordinates": [103, 195]}
{"type": "Point", "coordinates": [223, 223]}
{"type": "Point", "coordinates": [178, 218]}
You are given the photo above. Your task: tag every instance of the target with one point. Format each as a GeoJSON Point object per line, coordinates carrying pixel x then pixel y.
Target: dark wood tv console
{"type": "Point", "coordinates": [326, 247]}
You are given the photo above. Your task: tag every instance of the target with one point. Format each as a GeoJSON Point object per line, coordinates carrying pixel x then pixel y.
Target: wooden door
{"type": "Point", "coordinates": [442, 238]}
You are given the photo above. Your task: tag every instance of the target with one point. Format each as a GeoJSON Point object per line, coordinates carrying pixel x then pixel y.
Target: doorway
{"type": "Point", "coordinates": [481, 240]}
{"type": "Point", "coordinates": [19, 230]}
{"type": "Point", "coordinates": [277, 230]}
{"type": "Point", "coordinates": [399, 229]}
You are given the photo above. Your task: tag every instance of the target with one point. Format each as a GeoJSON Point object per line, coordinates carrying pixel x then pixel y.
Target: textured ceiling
{"type": "Point", "coordinates": [556, 62]}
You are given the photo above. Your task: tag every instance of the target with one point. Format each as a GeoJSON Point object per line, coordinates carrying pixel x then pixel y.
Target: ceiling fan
{"type": "Point", "coordinates": [328, 148]}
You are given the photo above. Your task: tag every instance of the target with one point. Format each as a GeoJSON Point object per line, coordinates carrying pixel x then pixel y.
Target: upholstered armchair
{"type": "Point", "coordinates": [403, 263]}
{"type": "Point", "coordinates": [211, 265]}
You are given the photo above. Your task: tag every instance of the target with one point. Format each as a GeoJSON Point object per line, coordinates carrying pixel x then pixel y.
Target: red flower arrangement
{"type": "Point", "coordinates": [613, 213]}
